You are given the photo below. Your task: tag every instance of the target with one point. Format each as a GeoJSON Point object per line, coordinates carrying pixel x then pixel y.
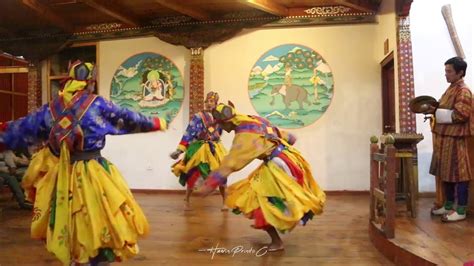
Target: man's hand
{"type": "Point", "coordinates": [120, 124]}
{"type": "Point", "coordinates": [174, 155]}
{"type": "Point", "coordinates": [430, 109]}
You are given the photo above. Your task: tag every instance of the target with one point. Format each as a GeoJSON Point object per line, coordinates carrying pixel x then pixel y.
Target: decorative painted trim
{"type": "Point", "coordinates": [327, 10]}
{"type": "Point", "coordinates": [104, 26]}
{"type": "Point", "coordinates": [268, 21]}
{"type": "Point", "coordinates": [171, 20]}
{"type": "Point", "coordinates": [323, 20]}
{"type": "Point", "coordinates": [313, 16]}
{"type": "Point", "coordinates": [196, 51]}
{"type": "Point", "coordinates": [406, 86]}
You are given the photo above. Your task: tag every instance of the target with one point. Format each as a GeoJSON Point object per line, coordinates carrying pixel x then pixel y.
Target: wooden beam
{"type": "Point", "coordinates": [13, 69]}
{"type": "Point", "coordinates": [183, 9]}
{"type": "Point", "coordinates": [13, 92]}
{"type": "Point", "coordinates": [113, 11]}
{"type": "Point", "coordinates": [46, 13]}
{"type": "Point", "coordinates": [357, 4]}
{"type": "Point", "coordinates": [62, 2]}
{"type": "Point", "coordinates": [268, 6]}
{"type": "Point", "coordinates": [5, 32]}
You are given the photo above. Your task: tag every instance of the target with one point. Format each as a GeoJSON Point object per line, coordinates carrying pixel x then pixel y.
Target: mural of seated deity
{"type": "Point", "coordinates": [154, 90]}
{"type": "Point", "coordinates": [149, 83]}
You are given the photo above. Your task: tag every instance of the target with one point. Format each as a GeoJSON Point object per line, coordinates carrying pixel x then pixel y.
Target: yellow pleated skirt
{"type": "Point", "coordinates": [81, 208]}
{"type": "Point", "coordinates": [203, 155]}
{"type": "Point", "coordinates": [269, 181]}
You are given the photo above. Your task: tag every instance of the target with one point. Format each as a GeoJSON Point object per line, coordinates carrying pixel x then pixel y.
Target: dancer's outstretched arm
{"type": "Point", "coordinates": [287, 136]}
{"type": "Point", "coordinates": [125, 121]}
{"type": "Point", "coordinates": [193, 129]}
{"type": "Point", "coordinates": [245, 148]}
{"type": "Point", "coordinates": [27, 130]}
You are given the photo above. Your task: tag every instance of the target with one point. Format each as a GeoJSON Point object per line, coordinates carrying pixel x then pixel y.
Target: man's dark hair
{"type": "Point", "coordinates": [458, 64]}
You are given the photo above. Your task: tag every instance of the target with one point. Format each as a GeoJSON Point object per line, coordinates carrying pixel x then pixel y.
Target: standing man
{"type": "Point", "coordinates": [453, 126]}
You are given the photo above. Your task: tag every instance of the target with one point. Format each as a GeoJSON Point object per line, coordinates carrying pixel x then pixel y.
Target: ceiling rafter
{"type": "Point", "coordinates": [113, 11]}
{"type": "Point", "coordinates": [183, 9]}
{"type": "Point", "coordinates": [361, 5]}
{"type": "Point", "coordinates": [268, 6]}
{"type": "Point", "coordinates": [45, 12]}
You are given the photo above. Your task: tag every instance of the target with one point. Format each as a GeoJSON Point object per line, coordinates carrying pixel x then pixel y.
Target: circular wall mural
{"type": "Point", "coordinates": [149, 83]}
{"type": "Point", "coordinates": [291, 85]}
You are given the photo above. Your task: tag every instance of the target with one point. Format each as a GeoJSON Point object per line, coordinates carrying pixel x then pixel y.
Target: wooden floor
{"type": "Point", "coordinates": [338, 237]}
{"type": "Point", "coordinates": [433, 240]}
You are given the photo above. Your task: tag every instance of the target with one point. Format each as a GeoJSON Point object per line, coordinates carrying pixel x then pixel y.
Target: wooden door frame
{"type": "Point", "coordinates": [50, 77]}
{"type": "Point", "coordinates": [389, 59]}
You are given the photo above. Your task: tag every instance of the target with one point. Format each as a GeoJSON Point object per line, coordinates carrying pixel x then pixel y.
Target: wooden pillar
{"type": "Point", "coordinates": [196, 83]}
{"type": "Point", "coordinates": [34, 86]}
{"type": "Point", "coordinates": [406, 88]}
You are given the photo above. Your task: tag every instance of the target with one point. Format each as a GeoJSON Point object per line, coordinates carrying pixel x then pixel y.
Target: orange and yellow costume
{"type": "Point", "coordinates": [281, 192]}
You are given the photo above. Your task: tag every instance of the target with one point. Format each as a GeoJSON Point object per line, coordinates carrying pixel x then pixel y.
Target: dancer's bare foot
{"type": "Point", "coordinates": [187, 205]}
{"type": "Point", "coordinates": [272, 247]}
{"type": "Point", "coordinates": [222, 191]}
{"type": "Point", "coordinates": [277, 243]}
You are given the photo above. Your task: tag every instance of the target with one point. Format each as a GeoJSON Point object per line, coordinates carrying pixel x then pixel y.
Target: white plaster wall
{"type": "Point", "coordinates": [143, 158]}
{"type": "Point", "coordinates": [337, 145]}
